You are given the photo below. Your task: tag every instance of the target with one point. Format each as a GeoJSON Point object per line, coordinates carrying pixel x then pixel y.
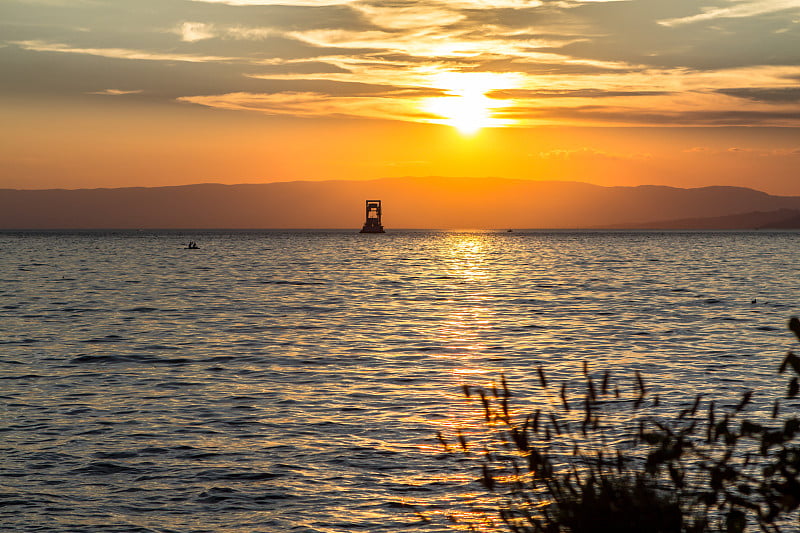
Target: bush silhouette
{"type": "Point", "coordinates": [596, 459]}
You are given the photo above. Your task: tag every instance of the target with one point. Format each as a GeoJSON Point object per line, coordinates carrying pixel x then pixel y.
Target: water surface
{"type": "Point", "coordinates": [295, 381]}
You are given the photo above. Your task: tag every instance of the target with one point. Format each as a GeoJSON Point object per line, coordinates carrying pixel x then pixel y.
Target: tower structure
{"type": "Point", "coordinates": [373, 222]}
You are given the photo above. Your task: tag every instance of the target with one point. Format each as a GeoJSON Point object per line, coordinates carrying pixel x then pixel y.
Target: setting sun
{"type": "Point", "coordinates": [469, 109]}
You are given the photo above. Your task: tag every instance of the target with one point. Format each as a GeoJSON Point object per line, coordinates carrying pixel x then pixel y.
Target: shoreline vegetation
{"type": "Point", "coordinates": [603, 456]}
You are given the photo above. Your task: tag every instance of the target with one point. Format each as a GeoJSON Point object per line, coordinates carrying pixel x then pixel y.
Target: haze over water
{"type": "Point", "coordinates": [295, 381]}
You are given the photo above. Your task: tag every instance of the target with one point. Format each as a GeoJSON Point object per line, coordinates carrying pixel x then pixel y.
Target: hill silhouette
{"type": "Point", "coordinates": [779, 219]}
{"type": "Point", "coordinates": [432, 202]}
{"type": "Point", "coordinates": [792, 222]}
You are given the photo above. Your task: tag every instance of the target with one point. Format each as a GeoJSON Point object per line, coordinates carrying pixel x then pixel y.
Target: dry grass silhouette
{"type": "Point", "coordinates": [571, 466]}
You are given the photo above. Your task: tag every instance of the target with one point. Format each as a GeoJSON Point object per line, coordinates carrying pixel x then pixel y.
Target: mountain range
{"type": "Point", "coordinates": [431, 202]}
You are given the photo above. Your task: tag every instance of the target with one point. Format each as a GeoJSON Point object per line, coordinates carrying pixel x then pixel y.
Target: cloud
{"type": "Point", "coordinates": [116, 92]}
{"type": "Point", "coordinates": [250, 34]}
{"type": "Point", "coordinates": [625, 116]}
{"type": "Point", "coordinates": [569, 93]}
{"type": "Point", "coordinates": [191, 32]}
{"type": "Point", "coordinates": [298, 70]}
{"type": "Point", "coordinates": [589, 153]}
{"type": "Point", "coordinates": [411, 17]}
{"type": "Point", "coordinates": [116, 53]}
{"type": "Point", "coordinates": [312, 3]}
{"type": "Point", "coordinates": [494, 4]}
{"type": "Point", "coordinates": [313, 105]}
{"type": "Point", "coordinates": [447, 47]}
{"type": "Point", "coordinates": [760, 152]}
{"type": "Point", "coordinates": [765, 94]}
{"type": "Point", "coordinates": [739, 151]}
{"type": "Point", "coordinates": [738, 10]}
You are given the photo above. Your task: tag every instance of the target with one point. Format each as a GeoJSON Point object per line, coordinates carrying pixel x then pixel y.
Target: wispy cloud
{"type": "Point", "coordinates": [413, 16]}
{"type": "Point", "coordinates": [589, 153]}
{"type": "Point", "coordinates": [308, 104]}
{"type": "Point", "coordinates": [737, 10]}
{"type": "Point", "coordinates": [194, 31]}
{"type": "Point", "coordinates": [629, 116]}
{"type": "Point", "coordinates": [570, 93]}
{"type": "Point", "coordinates": [738, 150]}
{"type": "Point", "coordinates": [117, 53]}
{"type": "Point", "coordinates": [765, 94]}
{"type": "Point", "coordinates": [116, 92]}
{"type": "Point", "coordinates": [250, 33]}
{"type": "Point", "coordinates": [278, 2]}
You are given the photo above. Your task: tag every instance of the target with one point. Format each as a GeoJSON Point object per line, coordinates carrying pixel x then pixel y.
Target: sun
{"type": "Point", "coordinates": [467, 108]}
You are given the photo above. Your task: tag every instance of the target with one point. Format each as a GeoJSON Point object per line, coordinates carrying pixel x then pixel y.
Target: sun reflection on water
{"type": "Point", "coordinates": [470, 315]}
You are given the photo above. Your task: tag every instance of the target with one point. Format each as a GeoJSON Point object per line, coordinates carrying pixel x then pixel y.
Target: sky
{"type": "Point", "coordinates": [118, 93]}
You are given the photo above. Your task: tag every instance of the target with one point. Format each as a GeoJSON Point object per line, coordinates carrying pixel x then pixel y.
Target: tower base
{"type": "Point", "coordinates": [372, 228]}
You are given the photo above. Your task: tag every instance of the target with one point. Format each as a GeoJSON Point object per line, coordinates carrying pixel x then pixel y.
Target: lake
{"type": "Point", "coordinates": [294, 381]}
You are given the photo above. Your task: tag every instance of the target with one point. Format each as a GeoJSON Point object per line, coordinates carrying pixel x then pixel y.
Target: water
{"type": "Point", "coordinates": [295, 381]}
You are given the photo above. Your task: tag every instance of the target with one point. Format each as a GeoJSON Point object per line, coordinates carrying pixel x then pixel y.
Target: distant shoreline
{"type": "Point", "coordinates": [522, 231]}
{"type": "Point", "coordinates": [445, 203]}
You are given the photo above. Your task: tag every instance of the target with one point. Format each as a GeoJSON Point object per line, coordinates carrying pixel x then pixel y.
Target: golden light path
{"type": "Point", "coordinates": [469, 109]}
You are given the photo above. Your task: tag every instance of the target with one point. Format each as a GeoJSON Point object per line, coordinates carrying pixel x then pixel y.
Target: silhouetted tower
{"type": "Point", "coordinates": [373, 222]}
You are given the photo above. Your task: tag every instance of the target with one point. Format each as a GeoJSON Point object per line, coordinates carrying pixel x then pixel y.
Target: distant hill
{"type": "Point", "coordinates": [793, 222]}
{"type": "Point", "coordinates": [779, 219]}
{"type": "Point", "coordinates": [433, 202]}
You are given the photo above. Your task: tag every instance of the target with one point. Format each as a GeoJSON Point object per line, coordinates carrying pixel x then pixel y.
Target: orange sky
{"type": "Point", "coordinates": [144, 93]}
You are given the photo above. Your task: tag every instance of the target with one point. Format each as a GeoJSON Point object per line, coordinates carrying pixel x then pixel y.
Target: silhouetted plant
{"type": "Point", "coordinates": [598, 459]}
